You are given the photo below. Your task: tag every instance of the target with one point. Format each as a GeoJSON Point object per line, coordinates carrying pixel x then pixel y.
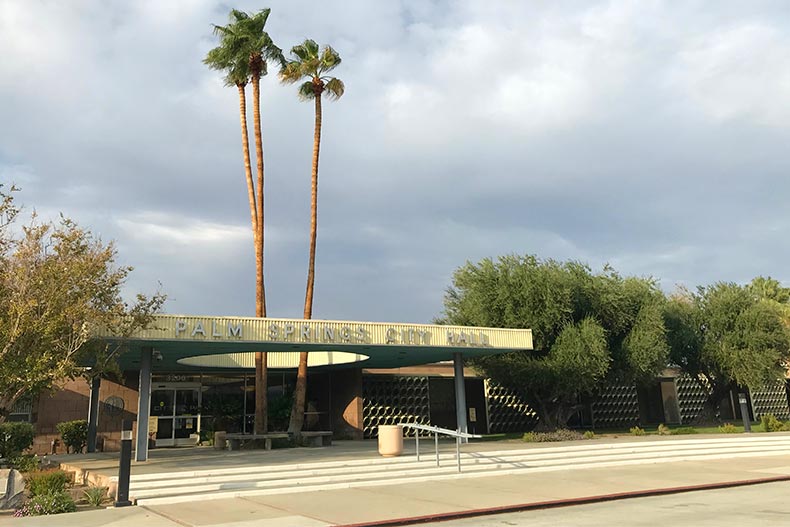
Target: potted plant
{"type": "Point", "coordinates": [223, 411]}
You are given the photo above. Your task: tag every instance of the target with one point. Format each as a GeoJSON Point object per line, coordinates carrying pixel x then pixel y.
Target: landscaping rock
{"type": "Point", "coordinates": [12, 486]}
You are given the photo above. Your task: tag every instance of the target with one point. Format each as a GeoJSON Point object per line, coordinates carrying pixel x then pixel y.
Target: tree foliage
{"type": "Point", "coordinates": [311, 64]}
{"type": "Point", "coordinates": [727, 335]}
{"type": "Point", "coordinates": [58, 283]}
{"type": "Point", "coordinates": [587, 327]}
{"type": "Point", "coordinates": [245, 49]}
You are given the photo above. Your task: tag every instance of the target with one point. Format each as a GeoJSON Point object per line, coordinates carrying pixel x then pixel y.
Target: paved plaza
{"type": "Point", "coordinates": [440, 499]}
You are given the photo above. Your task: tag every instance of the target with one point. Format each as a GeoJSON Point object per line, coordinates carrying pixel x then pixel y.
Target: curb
{"type": "Point", "coordinates": [566, 502]}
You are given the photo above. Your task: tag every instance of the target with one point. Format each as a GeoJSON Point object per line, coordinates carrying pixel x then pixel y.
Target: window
{"type": "Point", "coordinates": [21, 411]}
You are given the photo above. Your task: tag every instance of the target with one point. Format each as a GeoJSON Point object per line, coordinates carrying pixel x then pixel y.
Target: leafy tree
{"type": "Point", "coordinates": [725, 336]}
{"type": "Point", "coordinates": [771, 291]}
{"type": "Point", "coordinates": [587, 328]}
{"type": "Point", "coordinates": [58, 282]}
{"type": "Point", "coordinates": [311, 64]}
{"type": "Point", "coordinates": [243, 54]}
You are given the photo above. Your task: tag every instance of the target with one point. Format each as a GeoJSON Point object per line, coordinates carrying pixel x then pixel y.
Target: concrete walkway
{"type": "Point", "coordinates": [383, 503]}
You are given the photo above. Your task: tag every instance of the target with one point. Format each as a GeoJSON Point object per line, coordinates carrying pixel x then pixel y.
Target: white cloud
{"type": "Point", "coordinates": [163, 231]}
{"type": "Point", "coordinates": [737, 72]}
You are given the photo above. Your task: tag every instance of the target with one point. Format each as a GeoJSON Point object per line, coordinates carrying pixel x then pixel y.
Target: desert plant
{"type": "Point", "coordinates": [15, 438]}
{"type": "Point", "coordinates": [561, 434]}
{"type": "Point", "coordinates": [589, 434]}
{"type": "Point", "coordinates": [684, 430]}
{"type": "Point", "coordinates": [51, 503]}
{"type": "Point", "coordinates": [280, 411]}
{"type": "Point", "coordinates": [728, 428]}
{"type": "Point", "coordinates": [663, 430]}
{"type": "Point", "coordinates": [49, 482]}
{"type": "Point", "coordinates": [74, 435]}
{"type": "Point", "coordinates": [95, 495]}
{"type": "Point", "coordinates": [25, 463]}
{"type": "Point", "coordinates": [770, 423]}
{"type": "Point", "coordinates": [636, 431]}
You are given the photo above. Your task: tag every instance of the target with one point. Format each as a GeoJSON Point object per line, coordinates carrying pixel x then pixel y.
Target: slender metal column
{"type": "Point", "coordinates": [436, 444]}
{"type": "Point", "coordinates": [458, 452]}
{"type": "Point", "coordinates": [460, 393]}
{"type": "Point", "coordinates": [93, 413]}
{"type": "Point", "coordinates": [144, 404]}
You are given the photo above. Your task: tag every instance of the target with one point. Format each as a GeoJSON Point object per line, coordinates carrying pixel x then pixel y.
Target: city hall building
{"type": "Point", "coordinates": [185, 377]}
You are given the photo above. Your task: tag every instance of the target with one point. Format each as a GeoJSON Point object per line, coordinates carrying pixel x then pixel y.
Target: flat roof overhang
{"type": "Point", "coordinates": [198, 343]}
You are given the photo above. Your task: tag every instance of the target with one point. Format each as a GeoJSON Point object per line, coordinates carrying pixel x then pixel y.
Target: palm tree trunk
{"type": "Point", "coordinates": [300, 391]}
{"type": "Point", "coordinates": [261, 359]}
{"type": "Point", "coordinates": [308, 298]}
{"type": "Point", "coordinates": [245, 145]}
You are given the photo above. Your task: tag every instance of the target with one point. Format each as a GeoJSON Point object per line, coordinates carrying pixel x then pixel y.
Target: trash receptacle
{"type": "Point", "coordinates": [390, 440]}
{"type": "Point", "coordinates": [220, 440]}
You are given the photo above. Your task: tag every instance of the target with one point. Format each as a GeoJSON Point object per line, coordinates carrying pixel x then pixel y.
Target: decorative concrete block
{"type": "Point", "coordinates": [12, 485]}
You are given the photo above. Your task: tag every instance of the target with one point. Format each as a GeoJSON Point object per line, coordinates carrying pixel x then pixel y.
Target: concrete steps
{"type": "Point", "coordinates": [174, 487]}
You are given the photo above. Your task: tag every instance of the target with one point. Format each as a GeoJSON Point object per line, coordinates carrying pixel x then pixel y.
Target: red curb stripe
{"type": "Point", "coordinates": [567, 502]}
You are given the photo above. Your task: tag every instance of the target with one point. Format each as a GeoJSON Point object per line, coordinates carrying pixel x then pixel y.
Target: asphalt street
{"type": "Point", "coordinates": [752, 506]}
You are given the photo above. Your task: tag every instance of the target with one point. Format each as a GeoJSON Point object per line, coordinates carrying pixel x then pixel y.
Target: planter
{"type": "Point", "coordinates": [390, 440]}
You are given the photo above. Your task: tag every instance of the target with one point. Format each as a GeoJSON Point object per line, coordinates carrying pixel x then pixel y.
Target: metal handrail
{"type": "Point", "coordinates": [457, 434]}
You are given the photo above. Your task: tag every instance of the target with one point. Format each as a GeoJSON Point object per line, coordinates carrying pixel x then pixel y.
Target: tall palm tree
{"type": "Point", "coordinates": [243, 53]}
{"type": "Point", "coordinates": [311, 65]}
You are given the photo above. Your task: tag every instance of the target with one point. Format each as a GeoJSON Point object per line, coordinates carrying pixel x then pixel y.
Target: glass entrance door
{"type": "Point", "coordinates": [176, 408]}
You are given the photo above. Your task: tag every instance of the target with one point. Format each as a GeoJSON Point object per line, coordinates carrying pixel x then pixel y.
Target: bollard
{"type": "Point", "coordinates": [125, 467]}
{"type": "Point", "coordinates": [747, 425]}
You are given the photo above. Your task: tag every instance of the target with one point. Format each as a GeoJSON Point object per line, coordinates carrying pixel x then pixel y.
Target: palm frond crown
{"type": "Point", "coordinates": [311, 63]}
{"type": "Point", "coordinates": [244, 41]}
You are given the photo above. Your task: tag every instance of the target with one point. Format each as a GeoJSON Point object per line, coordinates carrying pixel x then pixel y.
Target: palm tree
{"type": "Point", "coordinates": [243, 53]}
{"type": "Point", "coordinates": [311, 65]}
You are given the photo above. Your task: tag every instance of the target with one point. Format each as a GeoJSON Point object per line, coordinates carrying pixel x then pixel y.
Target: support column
{"type": "Point", "coordinates": [144, 404]}
{"type": "Point", "coordinates": [460, 393]}
{"type": "Point", "coordinates": [93, 413]}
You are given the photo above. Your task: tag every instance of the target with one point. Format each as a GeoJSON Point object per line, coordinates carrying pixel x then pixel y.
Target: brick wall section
{"type": "Point", "coordinates": [70, 403]}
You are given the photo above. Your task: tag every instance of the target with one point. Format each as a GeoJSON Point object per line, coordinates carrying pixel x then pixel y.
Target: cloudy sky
{"type": "Point", "coordinates": [650, 135]}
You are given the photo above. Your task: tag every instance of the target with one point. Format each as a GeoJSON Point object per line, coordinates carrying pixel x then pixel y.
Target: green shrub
{"type": "Point", "coordinates": [95, 495]}
{"type": "Point", "coordinates": [52, 503]}
{"type": "Point", "coordinates": [15, 438]}
{"type": "Point", "coordinates": [770, 423]}
{"type": "Point", "coordinates": [74, 435]}
{"type": "Point", "coordinates": [589, 434]}
{"type": "Point", "coordinates": [786, 426]}
{"type": "Point", "coordinates": [52, 481]}
{"type": "Point", "coordinates": [663, 430]}
{"type": "Point", "coordinates": [728, 428]}
{"type": "Point", "coordinates": [25, 462]}
{"type": "Point", "coordinates": [562, 434]}
{"type": "Point", "coordinates": [636, 431]}
{"type": "Point", "coordinates": [279, 411]}
{"type": "Point", "coordinates": [684, 430]}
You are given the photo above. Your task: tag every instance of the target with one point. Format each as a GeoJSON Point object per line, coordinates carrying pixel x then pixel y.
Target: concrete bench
{"type": "Point", "coordinates": [235, 441]}
{"type": "Point", "coordinates": [317, 438]}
